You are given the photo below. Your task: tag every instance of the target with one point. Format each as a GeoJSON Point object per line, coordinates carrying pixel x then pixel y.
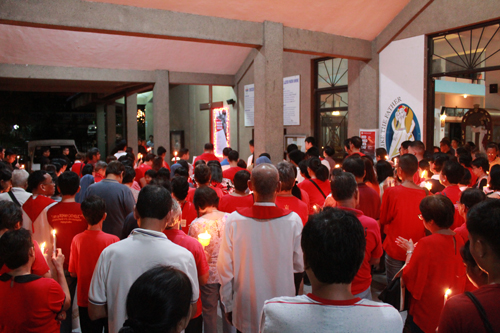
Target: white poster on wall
{"type": "Point", "coordinates": [291, 100]}
{"type": "Point", "coordinates": [249, 98]}
{"type": "Point", "coordinates": [402, 78]}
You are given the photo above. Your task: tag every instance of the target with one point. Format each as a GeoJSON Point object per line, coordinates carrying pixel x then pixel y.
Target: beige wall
{"type": "Point", "coordinates": [293, 64]}
{"type": "Point", "coordinates": [245, 133]}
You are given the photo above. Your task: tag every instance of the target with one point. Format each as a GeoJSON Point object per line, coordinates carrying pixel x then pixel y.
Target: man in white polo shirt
{"type": "Point", "coordinates": [120, 264]}
{"type": "Point", "coordinates": [333, 242]}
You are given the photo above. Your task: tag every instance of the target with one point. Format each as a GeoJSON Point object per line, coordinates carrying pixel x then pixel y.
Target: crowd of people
{"type": "Point", "coordinates": [129, 243]}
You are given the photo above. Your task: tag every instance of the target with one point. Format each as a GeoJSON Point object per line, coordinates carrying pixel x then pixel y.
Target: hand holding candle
{"type": "Point", "coordinates": [204, 238]}
{"type": "Point", "coordinates": [428, 185]}
{"type": "Point", "coordinates": [54, 247]}
{"type": "Point", "coordinates": [446, 295]}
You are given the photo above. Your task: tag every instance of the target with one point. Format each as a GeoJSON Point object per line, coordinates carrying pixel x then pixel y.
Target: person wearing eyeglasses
{"type": "Point", "coordinates": [492, 153]}
{"type": "Point", "coordinates": [433, 265]}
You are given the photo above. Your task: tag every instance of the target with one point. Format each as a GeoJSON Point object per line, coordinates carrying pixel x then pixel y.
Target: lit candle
{"type": "Point", "coordinates": [386, 157]}
{"type": "Point", "coordinates": [22, 166]}
{"type": "Point", "coordinates": [149, 149]}
{"type": "Point", "coordinates": [424, 174]}
{"type": "Point", "coordinates": [446, 295]}
{"type": "Point", "coordinates": [428, 185]}
{"type": "Point", "coordinates": [54, 241]}
{"type": "Point", "coordinates": [204, 238]}
{"type": "Point", "coordinates": [175, 153]}
{"type": "Point", "coordinates": [139, 156]}
{"type": "Point", "coordinates": [17, 159]}
{"type": "Point", "coordinates": [337, 166]}
{"type": "Point", "coordinates": [395, 162]}
{"type": "Point", "coordinates": [42, 247]}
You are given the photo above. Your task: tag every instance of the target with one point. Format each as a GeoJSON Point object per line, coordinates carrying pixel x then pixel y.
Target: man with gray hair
{"type": "Point", "coordinates": [260, 255]}
{"type": "Point", "coordinates": [18, 193]}
{"type": "Point", "coordinates": [285, 198]}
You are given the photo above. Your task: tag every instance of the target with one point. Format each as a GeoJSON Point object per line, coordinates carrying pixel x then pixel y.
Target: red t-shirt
{"type": "Point", "coordinates": [461, 315]}
{"type": "Point", "coordinates": [436, 265]}
{"type": "Point", "coordinates": [30, 304]}
{"type": "Point", "coordinates": [229, 202]}
{"type": "Point", "coordinates": [67, 218]}
{"type": "Point", "coordinates": [207, 157]}
{"type": "Point", "coordinates": [473, 177]}
{"type": "Point", "coordinates": [462, 232]}
{"type": "Point", "coordinates": [294, 204]}
{"type": "Point", "coordinates": [369, 201]}
{"type": "Point", "coordinates": [85, 251]}
{"type": "Point", "coordinates": [416, 177]}
{"type": "Point", "coordinates": [188, 214]}
{"type": "Point", "coordinates": [458, 220]}
{"type": "Point", "coordinates": [180, 238]}
{"type": "Point", "coordinates": [373, 249]}
{"type": "Point", "coordinates": [399, 216]}
{"type": "Point", "coordinates": [229, 173]}
{"type": "Point", "coordinates": [98, 178]}
{"type": "Point", "coordinates": [305, 197]}
{"type": "Point", "coordinates": [191, 191]}
{"type": "Point", "coordinates": [452, 192]}
{"type": "Point", "coordinates": [140, 171]}
{"type": "Point", "coordinates": [77, 168]}
{"type": "Point", "coordinates": [315, 196]}
{"type": "Point", "coordinates": [39, 266]}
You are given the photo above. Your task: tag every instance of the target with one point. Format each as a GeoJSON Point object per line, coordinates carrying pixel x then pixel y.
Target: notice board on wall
{"type": "Point", "coordinates": [291, 100]}
{"type": "Point", "coordinates": [249, 99]}
{"type": "Point", "coordinates": [402, 80]}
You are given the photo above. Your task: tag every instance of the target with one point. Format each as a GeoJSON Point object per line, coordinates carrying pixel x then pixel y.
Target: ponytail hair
{"type": "Point", "coordinates": [319, 169]}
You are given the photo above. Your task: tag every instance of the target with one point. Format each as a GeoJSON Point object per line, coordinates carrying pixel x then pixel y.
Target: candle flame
{"type": "Point", "coordinates": [337, 165]}
{"type": "Point", "coordinates": [424, 174]}
{"type": "Point", "coordinates": [22, 166]}
{"type": "Point", "coordinates": [175, 153]}
{"type": "Point", "coordinates": [204, 238]}
{"type": "Point", "coordinates": [386, 157]}
{"type": "Point", "coordinates": [428, 185]}
{"type": "Point", "coordinates": [448, 292]}
{"type": "Point", "coordinates": [53, 232]}
{"type": "Point", "coordinates": [42, 247]}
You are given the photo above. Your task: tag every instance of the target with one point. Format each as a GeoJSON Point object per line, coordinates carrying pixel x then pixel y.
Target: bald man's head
{"type": "Point", "coordinates": [265, 180]}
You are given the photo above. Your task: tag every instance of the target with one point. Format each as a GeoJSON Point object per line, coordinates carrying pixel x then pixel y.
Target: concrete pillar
{"type": "Point", "coordinates": [110, 129]}
{"type": "Point", "coordinates": [131, 118]}
{"type": "Point", "coordinates": [150, 124]}
{"type": "Point", "coordinates": [363, 95]}
{"type": "Point", "coordinates": [268, 80]}
{"type": "Point", "coordinates": [161, 113]}
{"type": "Point", "coordinates": [101, 129]}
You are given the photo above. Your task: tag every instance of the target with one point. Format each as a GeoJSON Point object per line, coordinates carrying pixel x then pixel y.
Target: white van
{"type": "Point", "coordinates": [35, 150]}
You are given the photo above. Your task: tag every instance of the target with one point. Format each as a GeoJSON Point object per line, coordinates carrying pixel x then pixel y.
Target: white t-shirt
{"type": "Point", "coordinates": [257, 260]}
{"type": "Point", "coordinates": [20, 194]}
{"type": "Point", "coordinates": [121, 263]}
{"type": "Point", "coordinates": [313, 314]}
